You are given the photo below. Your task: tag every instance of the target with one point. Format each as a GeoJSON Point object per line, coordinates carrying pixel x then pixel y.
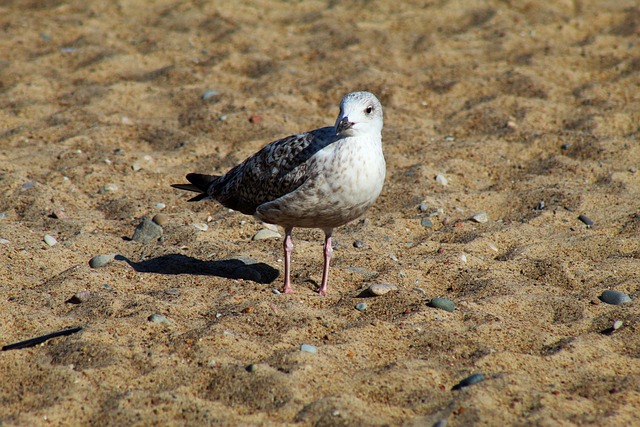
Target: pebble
{"type": "Point", "coordinates": [443, 304]}
{"type": "Point", "coordinates": [441, 179]}
{"type": "Point", "coordinates": [109, 188]}
{"type": "Point", "coordinates": [441, 423]}
{"type": "Point", "coordinates": [308, 348]}
{"type": "Point", "coordinates": [101, 260]}
{"type": "Point", "coordinates": [255, 118]}
{"type": "Point", "coordinates": [614, 297]}
{"type": "Point", "coordinates": [50, 240]}
{"type": "Point", "coordinates": [617, 324]}
{"type": "Point", "coordinates": [80, 297]}
{"type": "Point", "coordinates": [360, 244]}
{"type": "Point", "coordinates": [426, 223]}
{"type": "Point", "coordinates": [147, 231]}
{"type": "Point", "coordinates": [423, 207]}
{"type": "Point", "coordinates": [58, 214]}
{"type": "Point", "coordinates": [379, 289]}
{"type": "Point", "coordinates": [209, 94]}
{"type": "Point", "coordinates": [160, 219]}
{"type": "Point", "coordinates": [201, 226]}
{"type": "Point", "coordinates": [588, 221]}
{"type": "Point", "coordinates": [160, 206]}
{"type": "Point", "coordinates": [159, 318]}
{"type": "Point", "coordinates": [4, 241]}
{"type": "Point", "coordinates": [252, 368]}
{"type": "Point", "coordinates": [265, 233]}
{"type": "Point", "coordinates": [480, 217]}
{"type": "Point", "coordinates": [275, 291]}
{"type": "Point", "coordinates": [470, 380]}
{"type": "Point", "coordinates": [361, 306]}
{"type": "Point", "coordinates": [172, 291]}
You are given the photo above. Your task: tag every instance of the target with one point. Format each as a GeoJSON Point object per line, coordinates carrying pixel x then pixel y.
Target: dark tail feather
{"type": "Point", "coordinates": [200, 183]}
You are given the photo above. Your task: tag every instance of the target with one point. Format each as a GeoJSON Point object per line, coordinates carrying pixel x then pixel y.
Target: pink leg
{"type": "Point", "coordinates": [288, 247]}
{"type": "Point", "coordinates": [328, 252]}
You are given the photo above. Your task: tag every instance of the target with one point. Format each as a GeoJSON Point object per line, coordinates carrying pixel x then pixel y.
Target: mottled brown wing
{"type": "Point", "coordinates": [277, 169]}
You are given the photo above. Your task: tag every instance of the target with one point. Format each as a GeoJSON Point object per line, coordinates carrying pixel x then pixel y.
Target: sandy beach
{"type": "Point", "coordinates": [512, 146]}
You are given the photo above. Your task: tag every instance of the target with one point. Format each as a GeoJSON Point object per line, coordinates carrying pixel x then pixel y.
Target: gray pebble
{"type": "Point", "coordinates": [80, 297]}
{"type": "Point", "coordinates": [617, 324]}
{"type": "Point", "coordinates": [275, 291]}
{"type": "Point", "coordinates": [265, 233]}
{"type": "Point", "coordinates": [209, 94]}
{"type": "Point", "coordinates": [252, 368]}
{"type": "Point", "coordinates": [588, 221]}
{"type": "Point", "coordinates": [147, 231]}
{"type": "Point", "coordinates": [614, 297]}
{"type": "Point", "coordinates": [441, 423]}
{"type": "Point", "coordinates": [443, 304]}
{"type": "Point", "coordinates": [201, 226]}
{"type": "Point", "coordinates": [480, 217]}
{"type": "Point", "coordinates": [108, 188]}
{"type": "Point", "coordinates": [159, 318]}
{"type": "Point", "coordinates": [426, 223]}
{"type": "Point", "coordinates": [50, 240]}
{"type": "Point", "coordinates": [359, 244]}
{"type": "Point", "coordinates": [442, 180]}
{"type": "Point", "coordinates": [423, 207]}
{"type": "Point", "coordinates": [160, 205]}
{"type": "Point", "coordinates": [470, 380]}
{"type": "Point", "coordinates": [4, 241]}
{"type": "Point", "coordinates": [160, 219]}
{"type": "Point", "coordinates": [361, 306]}
{"type": "Point", "coordinates": [308, 348]}
{"type": "Point", "coordinates": [172, 291]}
{"type": "Point", "coordinates": [101, 260]}
{"type": "Point", "coordinates": [381, 288]}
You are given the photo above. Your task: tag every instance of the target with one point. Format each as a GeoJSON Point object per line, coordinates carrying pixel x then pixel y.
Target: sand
{"type": "Point", "coordinates": [530, 110]}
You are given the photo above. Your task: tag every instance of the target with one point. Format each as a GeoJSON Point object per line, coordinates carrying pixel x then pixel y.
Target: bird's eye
{"type": "Point", "coordinates": [369, 109]}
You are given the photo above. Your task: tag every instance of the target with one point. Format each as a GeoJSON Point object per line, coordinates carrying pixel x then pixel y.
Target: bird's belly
{"type": "Point", "coordinates": [332, 199]}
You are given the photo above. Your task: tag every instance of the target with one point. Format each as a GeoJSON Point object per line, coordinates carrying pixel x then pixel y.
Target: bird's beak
{"type": "Point", "coordinates": [343, 125]}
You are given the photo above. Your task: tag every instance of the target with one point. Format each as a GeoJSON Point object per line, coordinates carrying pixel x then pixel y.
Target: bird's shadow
{"type": "Point", "coordinates": [234, 268]}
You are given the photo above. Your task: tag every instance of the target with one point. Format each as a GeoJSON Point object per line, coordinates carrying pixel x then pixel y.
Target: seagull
{"type": "Point", "coordinates": [323, 178]}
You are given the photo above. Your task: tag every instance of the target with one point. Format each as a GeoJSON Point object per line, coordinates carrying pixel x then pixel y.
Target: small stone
{"type": "Point", "coordinates": [160, 219]}
{"type": "Point", "coordinates": [80, 297]}
{"type": "Point", "coordinates": [255, 118]}
{"type": "Point", "coordinates": [109, 188]}
{"type": "Point", "coordinates": [160, 206]}
{"type": "Point", "coordinates": [423, 207]}
{"type": "Point", "coordinates": [264, 234]}
{"type": "Point", "coordinates": [201, 226]}
{"type": "Point", "coordinates": [172, 292]}
{"type": "Point", "coordinates": [480, 217]}
{"type": "Point", "coordinates": [209, 94]}
{"type": "Point", "coordinates": [252, 368]}
{"type": "Point", "coordinates": [136, 167]}
{"type": "Point", "coordinates": [586, 220]}
{"type": "Point", "coordinates": [442, 180]}
{"type": "Point", "coordinates": [58, 214]}
{"type": "Point", "coordinates": [633, 170]}
{"type": "Point", "coordinates": [470, 380]}
{"type": "Point", "coordinates": [50, 240]}
{"type": "Point", "coordinates": [361, 306]}
{"type": "Point", "coordinates": [359, 244]}
{"type": "Point", "coordinates": [379, 289]}
{"type": "Point", "coordinates": [147, 232]}
{"type": "Point", "coordinates": [101, 260]}
{"type": "Point", "coordinates": [443, 304]}
{"type": "Point", "coordinates": [275, 291]}
{"type": "Point", "coordinates": [617, 324]}
{"type": "Point", "coordinates": [4, 241]}
{"type": "Point", "coordinates": [308, 348]}
{"type": "Point", "coordinates": [426, 223]}
{"type": "Point", "coordinates": [614, 297]}
{"type": "Point", "coordinates": [159, 318]}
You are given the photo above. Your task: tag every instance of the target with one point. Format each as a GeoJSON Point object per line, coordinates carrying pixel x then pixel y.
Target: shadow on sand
{"type": "Point", "coordinates": [235, 268]}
